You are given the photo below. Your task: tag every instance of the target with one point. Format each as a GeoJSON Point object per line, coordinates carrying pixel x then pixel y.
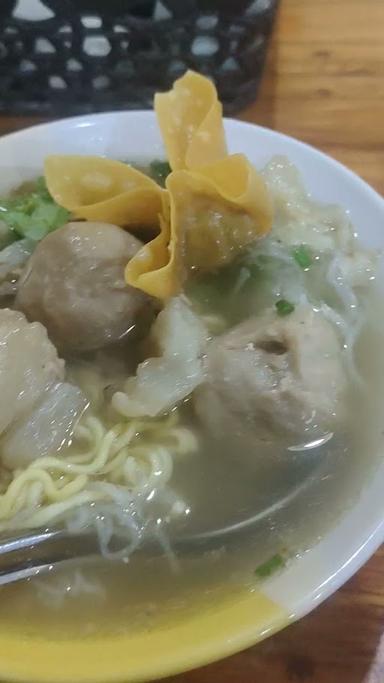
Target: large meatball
{"type": "Point", "coordinates": [74, 284]}
{"type": "Point", "coordinates": [273, 377]}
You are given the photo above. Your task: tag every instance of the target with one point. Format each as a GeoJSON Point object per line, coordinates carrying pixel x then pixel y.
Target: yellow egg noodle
{"type": "Point", "coordinates": [135, 454]}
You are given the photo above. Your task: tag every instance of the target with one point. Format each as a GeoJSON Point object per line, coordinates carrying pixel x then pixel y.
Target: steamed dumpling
{"type": "Point", "coordinates": [29, 365]}
{"type": "Point", "coordinates": [74, 285]}
{"type": "Point", "coordinates": [179, 339]}
{"type": "Point", "coordinates": [274, 377]}
{"type": "Point", "coordinates": [38, 411]}
{"type": "Point", "coordinates": [46, 428]}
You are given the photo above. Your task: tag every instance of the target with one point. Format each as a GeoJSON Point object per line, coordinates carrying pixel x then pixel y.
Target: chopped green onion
{"type": "Point", "coordinates": [37, 223]}
{"type": "Point", "coordinates": [159, 171]}
{"type": "Point", "coordinates": [42, 189]}
{"type": "Point", "coordinates": [302, 256]}
{"type": "Point", "coordinates": [284, 307]}
{"type": "Point", "coordinates": [269, 567]}
{"type": "Point", "coordinates": [33, 214]}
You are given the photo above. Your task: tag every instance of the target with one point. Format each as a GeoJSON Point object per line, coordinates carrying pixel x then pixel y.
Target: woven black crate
{"type": "Point", "coordinates": [77, 56]}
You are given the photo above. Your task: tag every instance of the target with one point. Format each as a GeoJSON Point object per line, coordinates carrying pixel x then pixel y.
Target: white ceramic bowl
{"type": "Point", "coordinates": [134, 135]}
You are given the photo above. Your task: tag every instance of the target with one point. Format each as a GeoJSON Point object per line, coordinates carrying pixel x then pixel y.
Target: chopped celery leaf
{"type": "Point", "coordinates": [302, 256]}
{"type": "Point", "coordinates": [41, 188]}
{"type": "Point", "coordinates": [270, 566]}
{"type": "Point", "coordinates": [33, 214]}
{"type": "Point", "coordinates": [284, 307]}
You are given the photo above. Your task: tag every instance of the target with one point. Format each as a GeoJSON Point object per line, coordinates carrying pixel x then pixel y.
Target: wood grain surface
{"type": "Point", "coordinates": [323, 83]}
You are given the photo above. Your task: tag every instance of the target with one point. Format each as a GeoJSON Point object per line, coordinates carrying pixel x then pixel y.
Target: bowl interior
{"type": "Point", "coordinates": [237, 620]}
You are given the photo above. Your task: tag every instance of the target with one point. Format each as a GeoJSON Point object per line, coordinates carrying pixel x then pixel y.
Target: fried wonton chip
{"type": "Point", "coordinates": [100, 189]}
{"type": "Point", "coordinates": [157, 268]}
{"type": "Point", "coordinates": [190, 120]}
{"type": "Point", "coordinates": [215, 211]}
{"type": "Point", "coordinates": [212, 207]}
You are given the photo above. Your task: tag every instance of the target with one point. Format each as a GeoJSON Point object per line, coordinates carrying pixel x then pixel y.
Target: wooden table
{"type": "Point", "coordinates": [324, 83]}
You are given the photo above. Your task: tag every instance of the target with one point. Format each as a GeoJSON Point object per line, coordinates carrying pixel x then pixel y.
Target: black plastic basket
{"type": "Point", "coordinates": [77, 56]}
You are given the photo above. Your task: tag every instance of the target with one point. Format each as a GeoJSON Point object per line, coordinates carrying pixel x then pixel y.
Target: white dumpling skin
{"type": "Point", "coordinates": [46, 429]}
{"type": "Point", "coordinates": [29, 364]}
{"type": "Point", "coordinates": [160, 383]}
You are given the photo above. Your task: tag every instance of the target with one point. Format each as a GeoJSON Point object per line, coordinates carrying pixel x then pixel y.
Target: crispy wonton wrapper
{"type": "Point", "coordinates": [214, 213]}
{"type": "Point", "coordinates": [191, 124]}
{"type": "Point", "coordinates": [100, 189]}
{"type": "Point", "coordinates": [212, 207]}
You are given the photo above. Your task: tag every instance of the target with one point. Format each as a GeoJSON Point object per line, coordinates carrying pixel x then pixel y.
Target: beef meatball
{"type": "Point", "coordinates": [74, 284]}
{"type": "Point", "coordinates": [273, 378]}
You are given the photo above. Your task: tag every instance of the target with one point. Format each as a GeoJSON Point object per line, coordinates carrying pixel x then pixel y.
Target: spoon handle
{"type": "Point", "coordinates": [32, 553]}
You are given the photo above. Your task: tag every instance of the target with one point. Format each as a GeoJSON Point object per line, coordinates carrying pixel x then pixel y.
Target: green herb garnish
{"type": "Point", "coordinates": [42, 189]}
{"type": "Point", "coordinates": [33, 214]}
{"type": "Point", "coordinates": [302, 256]}
{"type": "Point", "coordinates": [159, 171]}
{"type": "Point", "coordinates": [269, 567]}
{"type": "Point", "coordinates": [284, 307]}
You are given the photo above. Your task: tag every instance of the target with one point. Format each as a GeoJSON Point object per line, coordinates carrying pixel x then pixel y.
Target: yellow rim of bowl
{"type": "Point", "coordinates": [238, 621]}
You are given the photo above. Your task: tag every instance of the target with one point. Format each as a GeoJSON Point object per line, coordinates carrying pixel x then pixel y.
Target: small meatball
{"type": "Point", "coordinates": [74, 284]}
{"type": "Point", "coordinates": [29, 364]}
{"type": "Point", "coordinates": [273, 378]}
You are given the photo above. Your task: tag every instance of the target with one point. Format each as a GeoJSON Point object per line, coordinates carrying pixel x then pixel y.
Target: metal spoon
{"type": "Point", "coordinates": [33, 552]}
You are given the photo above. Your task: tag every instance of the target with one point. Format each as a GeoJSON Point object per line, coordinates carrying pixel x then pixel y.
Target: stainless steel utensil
{"type": "Point", "coordinates": [33, 552]}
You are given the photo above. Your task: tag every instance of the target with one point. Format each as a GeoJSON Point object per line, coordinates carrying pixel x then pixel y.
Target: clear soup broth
{"type": "Point", "coordinates": [224, 508]}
